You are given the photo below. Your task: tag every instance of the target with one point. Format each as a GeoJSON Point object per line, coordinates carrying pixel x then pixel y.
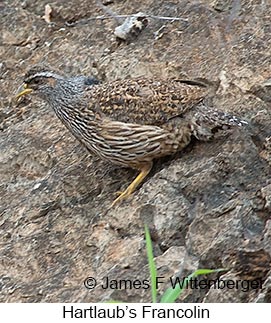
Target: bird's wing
{"type": "Point", "coordinates": [144, 101]}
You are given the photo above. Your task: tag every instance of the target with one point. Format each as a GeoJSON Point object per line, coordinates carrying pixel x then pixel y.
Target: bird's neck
{"type": "Point", "coordinates": [72, 108]}
{"type": "Point", "coordinates": [65, 97]}
{"type": "Point", "coordinates": [65, 93]}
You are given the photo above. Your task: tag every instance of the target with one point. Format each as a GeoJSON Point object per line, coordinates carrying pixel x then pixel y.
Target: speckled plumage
{"type": "Point", "coordinates": [129, 122]}
{"type": "Point", "coordinates": [144, 101]}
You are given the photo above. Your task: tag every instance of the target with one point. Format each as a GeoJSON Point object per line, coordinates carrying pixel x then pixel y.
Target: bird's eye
{"type": "Point", "coordinates": [35, 81]}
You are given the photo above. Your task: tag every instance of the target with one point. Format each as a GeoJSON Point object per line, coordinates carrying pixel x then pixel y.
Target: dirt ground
{"type": "Point", "coordinates": [207, 207]}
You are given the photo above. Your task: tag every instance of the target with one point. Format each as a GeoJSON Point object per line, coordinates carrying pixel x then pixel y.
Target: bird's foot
{"type": "Point", "coordinates": [118, 193]}
{"type": "Point", "coordinates": [144, 171]}
{"type": "Point", "coordinates": [122, 196]}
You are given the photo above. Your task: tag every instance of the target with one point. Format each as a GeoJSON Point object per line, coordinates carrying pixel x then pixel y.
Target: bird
{"type": "Point", "coordinates": [129, 122]}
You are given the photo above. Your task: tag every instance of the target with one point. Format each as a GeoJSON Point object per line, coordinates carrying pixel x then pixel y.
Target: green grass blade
{"type": "Point", "coordinates": [171, 294]}
{"type": "Point", "coordinates": [152, 266]}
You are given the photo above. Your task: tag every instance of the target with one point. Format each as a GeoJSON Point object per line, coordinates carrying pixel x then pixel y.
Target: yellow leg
{"type": "Point", "coordinates": [144, 171]}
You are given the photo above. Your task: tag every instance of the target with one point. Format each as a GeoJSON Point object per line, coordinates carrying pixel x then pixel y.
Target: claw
{"type": "Point", "coordinates": [118, 193]}
{"type": "Point", "coordinates": [122, 196]}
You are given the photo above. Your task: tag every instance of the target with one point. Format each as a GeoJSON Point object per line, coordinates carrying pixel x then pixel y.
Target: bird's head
{"type": "Point", "coordinates": [51, 85]}
{"type": "Point", "coordinates": [41, 81]}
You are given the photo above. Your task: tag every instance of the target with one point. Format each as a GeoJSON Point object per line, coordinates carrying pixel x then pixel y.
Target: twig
{"type": "Point", "coordinates": [83, 21]}
{"type": "Point", "coordinates": [167, 18]}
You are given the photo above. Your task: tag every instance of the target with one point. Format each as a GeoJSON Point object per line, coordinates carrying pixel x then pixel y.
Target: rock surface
{"type": "Point", "coordinates": [207, 207]}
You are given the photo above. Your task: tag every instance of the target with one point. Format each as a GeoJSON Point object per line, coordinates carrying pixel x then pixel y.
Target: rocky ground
{"type": "Point", "coordinates": [207, 207]}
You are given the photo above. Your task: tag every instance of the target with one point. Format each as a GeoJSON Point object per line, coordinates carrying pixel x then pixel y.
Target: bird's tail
{"type": "Point", "coordinates": [206, 121]}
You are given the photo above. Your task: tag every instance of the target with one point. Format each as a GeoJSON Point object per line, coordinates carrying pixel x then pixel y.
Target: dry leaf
{"type": "Point", "coordinates": [47, 13]}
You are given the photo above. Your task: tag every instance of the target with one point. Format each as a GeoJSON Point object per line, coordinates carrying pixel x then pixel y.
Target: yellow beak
{"type": "Point", "coordinates": [22, 90]}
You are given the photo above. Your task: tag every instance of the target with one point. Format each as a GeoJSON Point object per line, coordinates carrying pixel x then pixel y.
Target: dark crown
{"type": "Point", "coordinates": [41, 71]}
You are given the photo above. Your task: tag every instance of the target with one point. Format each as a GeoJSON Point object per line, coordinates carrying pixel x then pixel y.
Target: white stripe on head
{"type": "Point", "coordinates": [46, 74]}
